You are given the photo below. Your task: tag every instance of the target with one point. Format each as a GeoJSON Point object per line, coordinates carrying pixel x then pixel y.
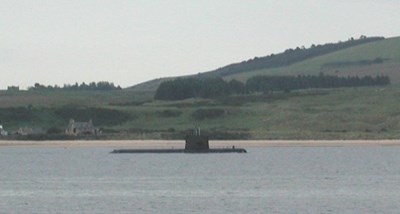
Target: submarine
{"type": "Point", "coordinates": [194, 143]}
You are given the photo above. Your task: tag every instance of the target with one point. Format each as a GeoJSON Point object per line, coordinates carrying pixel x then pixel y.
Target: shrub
{"type": "Point", "coordinates": [212, 113]}
{"type": "Point", "coordinates": [54, 130]}
{"type": "Point", "coordinates": [15, 114]}
{"type": "Point", "coordinates": [99, 116]}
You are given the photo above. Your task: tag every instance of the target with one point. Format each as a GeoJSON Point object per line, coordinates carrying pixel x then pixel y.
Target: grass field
{"type": "Point", "coordinates": [344, 113]}
{"type": "Point", "coordinates": [387, 49]}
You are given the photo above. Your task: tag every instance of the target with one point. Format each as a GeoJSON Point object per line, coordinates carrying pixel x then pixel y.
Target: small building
{"type": "Point", "coordinates": [2, 131]}
{"type": "Point", "coordinates": [81, 128]}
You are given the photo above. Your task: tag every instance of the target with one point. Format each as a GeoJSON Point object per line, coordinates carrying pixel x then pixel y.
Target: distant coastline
{"type": "Point", "coordinates": [181, 143]}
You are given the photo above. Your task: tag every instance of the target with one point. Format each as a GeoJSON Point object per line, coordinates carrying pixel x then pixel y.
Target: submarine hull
{"type": "Point", "coordinates": [222, 150]}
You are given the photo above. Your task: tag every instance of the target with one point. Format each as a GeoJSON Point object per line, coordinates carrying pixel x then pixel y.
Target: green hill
{"type": "Point", "coordinates": [369, 57]}
{"type": "Point", "coordinates": [343, 113]}
{"type": "Point", "coordinates": [149, 85]}
{"type": "Point", "coordinates": [344, 62]}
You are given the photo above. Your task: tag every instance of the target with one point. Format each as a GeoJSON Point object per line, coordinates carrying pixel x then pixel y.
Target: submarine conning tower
{"type": "Point", "coordinates": [196, 142]}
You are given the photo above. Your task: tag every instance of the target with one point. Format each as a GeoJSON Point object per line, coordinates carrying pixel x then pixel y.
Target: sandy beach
{"type": "Point", "coordinates": [146, 144]}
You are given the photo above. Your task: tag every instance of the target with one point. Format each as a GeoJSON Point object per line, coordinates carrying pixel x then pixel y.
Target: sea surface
{"type": "Point", "coordinates": [265, 180]}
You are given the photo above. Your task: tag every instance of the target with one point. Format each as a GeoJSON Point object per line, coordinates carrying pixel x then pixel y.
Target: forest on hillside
{"type": "Point", "coordinates": [288, 57]}
{"type": "Point", "coordinates": [184, 88]}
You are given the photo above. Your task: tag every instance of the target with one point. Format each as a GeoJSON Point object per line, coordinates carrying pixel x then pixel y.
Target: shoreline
{"type": "Point", "coordinates": [168, 144]}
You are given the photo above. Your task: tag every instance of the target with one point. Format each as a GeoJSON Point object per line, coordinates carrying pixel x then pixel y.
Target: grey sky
{"type": "Point", "coordinates": [131, 41]}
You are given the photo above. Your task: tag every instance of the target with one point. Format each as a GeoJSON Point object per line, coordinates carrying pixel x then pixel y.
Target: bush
{"type": "Point", "coordinates": [54, 130]}
{"type": "Point", "coordinates": [11, 114]}
{"type": "Point", "coordinates": [99, 116]}
{"type": "Point", "coordinates": [212, 113]}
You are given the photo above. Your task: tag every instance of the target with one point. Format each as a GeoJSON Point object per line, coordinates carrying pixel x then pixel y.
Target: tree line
{"type": "Point", "coordinates": [288, 57]}
{"type": "Point", "coordinates": [184, 88]}
{"type": "Point", "coordinates": [93, 86]}
{"type": "Point", "coordinates": [288, 83]}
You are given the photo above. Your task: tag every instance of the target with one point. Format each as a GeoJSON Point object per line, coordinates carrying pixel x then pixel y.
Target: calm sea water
{"type": "Point", "coordinates": [265, 180]}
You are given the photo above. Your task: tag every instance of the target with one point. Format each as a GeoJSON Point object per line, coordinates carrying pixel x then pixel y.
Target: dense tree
{"type": "Point", "coordinates": [236, 87]}
{"type": "Point", "coordinates": [288, 83]}
{"type": "Point", "coordinates": [183, 88]}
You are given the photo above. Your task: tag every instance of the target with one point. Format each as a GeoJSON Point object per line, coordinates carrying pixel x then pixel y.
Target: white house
{"type": "Point", "coordinates": [2, 131]}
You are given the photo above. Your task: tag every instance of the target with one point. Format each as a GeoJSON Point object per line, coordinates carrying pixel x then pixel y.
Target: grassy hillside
{"type": "Point", "coordinates": [388, 50]}
{"type": "Point", "coordinates": [149, 85]}
{"type": "Point", "coordinates": [71, 98]}
{"type": "Point", "coordinates": [45, 108]}
{"type": "Point", "coordinates": [347, 113]}
{"type": "Point", "coordinates": [311, 114]}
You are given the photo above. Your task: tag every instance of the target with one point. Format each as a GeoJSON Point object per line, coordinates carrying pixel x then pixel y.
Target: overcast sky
{"type": "Point", "coordinates": [132, 41]}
